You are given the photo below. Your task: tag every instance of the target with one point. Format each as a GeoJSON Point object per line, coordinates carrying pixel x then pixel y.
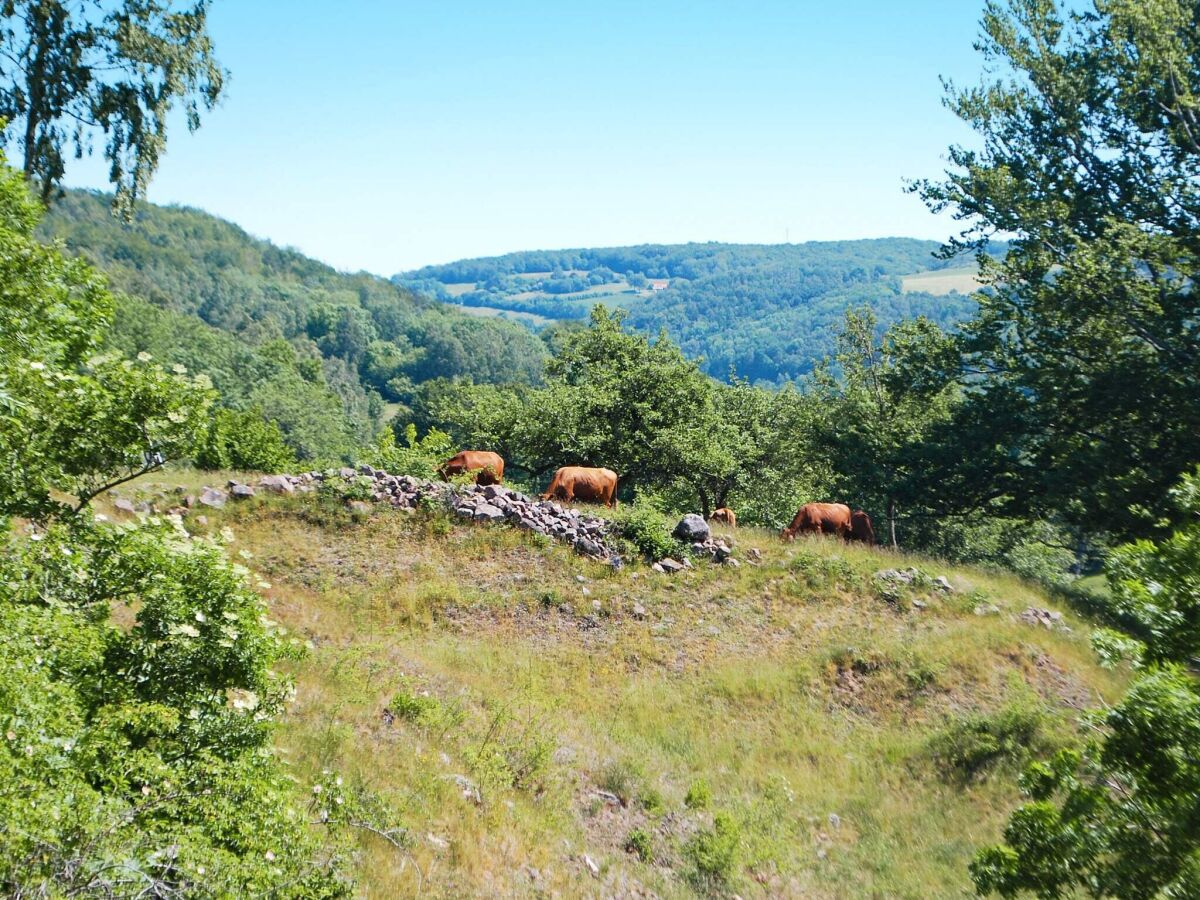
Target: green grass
{"type": "Point", "coordinates": [768, 731]}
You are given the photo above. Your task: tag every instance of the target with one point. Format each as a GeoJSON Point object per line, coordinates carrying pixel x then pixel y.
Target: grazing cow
{"type": "Point", "coordinates": [572, 483]}
{"type": "Point", "coordinates": [487, 466]}
{"type": "Point", "coordinates": [819, 518]}
{"type": "Point", "coordinates": [861, 528]}
{"type": "Point", "coordinates": [725, 515]}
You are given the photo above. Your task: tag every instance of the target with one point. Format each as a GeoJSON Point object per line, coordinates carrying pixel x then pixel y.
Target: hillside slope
{"type": "Point", "coordinates": [766, 311]}
{"type": "Point", "coordinates": [373, 340]}
{"type": "Point", "coordinates": [540, 724]}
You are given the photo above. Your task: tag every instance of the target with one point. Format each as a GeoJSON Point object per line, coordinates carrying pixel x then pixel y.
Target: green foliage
{"type": "Point", "coordinates": [624, 779]}
{"type": "Point", "coordinates": [1156, 586]}
{"type": "Point", "coordinates": [69, 71]}
{"type": "Point", "coordinates": [360, 335]}
{"type": "Point", "coordinates": [1084, 361]}
{"type": "Point", "coordinates": [419, 457]}
{"type": "Point", "coordinates": [638, 407]}
{"type": "Point", "coordinates": [323, 416]}
{"type": "Point", "coordinates": [121, 742]}
{"type": "Point", "coordinates": [134, 758]}
{"type": "Point", "coordinates": [699, 795]}
{"type": "Point", "coordinates": [713, 853]}
{"type": "Point", "coordinates": [648, 530]}
{"type": "Point", "coordinates": [974, 743]}
{"type": "Point", "coordinates": [72, 422]}
{"type": "Point", "coordinates": [764, 312]}
{"type": "Point", "coordinates": [244, 441]}
{"type": "Point", "coordinates": [1117, 819]}
{"type": "Point", "coordinates": [878, 409]}
{"type": "Point", "coordinates": [640, 845]}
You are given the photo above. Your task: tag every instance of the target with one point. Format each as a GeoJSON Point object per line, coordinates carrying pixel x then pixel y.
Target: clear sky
{"type": "Point", "coordinates": [388, 134]}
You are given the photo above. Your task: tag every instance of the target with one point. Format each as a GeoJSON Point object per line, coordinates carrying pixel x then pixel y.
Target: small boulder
{"type": "Point", "coordinates": [942, 583]}
{"type": "Point", "coordinates": [639, 611]}
{"type": "Point", "coordinates": [276, 484]}
{"type": "Point", "coordinates": [241, 491]}
{"type": "Point", "coordinates": [669, 565]}
{"type": "Point", "coordinates": [692, 529]}
{"type": "Point", "coordinates": [489, 513]}
{"type": "Point", "coordinates": [214, 497]}
{"type": "Point", "coordinates": [124, 505]}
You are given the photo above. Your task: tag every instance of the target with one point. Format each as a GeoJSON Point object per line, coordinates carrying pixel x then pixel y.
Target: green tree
{"type": "Point", "coordinates": [74, 423]}
{"type": "Point", "coordinates": [72, 68]}
{"type": "Point", "coordinates": [243, 440]}
{"type": "Point", "coordinates": [1119, 819]}
{"type": "Point", "coordinates": [135, 758]}
{"type": "Point", "coordinates": [878, 409]}
{"type": "Point", "coordinates": [1090, 330]}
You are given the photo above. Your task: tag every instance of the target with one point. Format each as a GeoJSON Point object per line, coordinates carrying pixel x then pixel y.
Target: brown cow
{"type": "Point", "coordinates": [724, 515]}
{"type": "Point", "coordinates": [487, 466]}
{"type": "Point", "coordinates": [582, 483]}
{"type": "Point", "coordinates": [819, 518]}
{"type": "Point", "coordinates": [861, 528]}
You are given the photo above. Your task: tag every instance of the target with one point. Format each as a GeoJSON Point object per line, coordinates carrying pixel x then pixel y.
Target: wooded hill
{"type": "Point", "coordinates": [319, 351]}
{"type": "Point", "coordinates": [767, 312]}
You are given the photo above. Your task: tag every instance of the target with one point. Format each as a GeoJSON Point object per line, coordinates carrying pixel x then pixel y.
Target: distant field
{"type": "Point", "coordinates": [942, 282]}
{"type": "Point", "coordinates": [494, 312]}
{"type": "Point", "coordinates": [460, 288]}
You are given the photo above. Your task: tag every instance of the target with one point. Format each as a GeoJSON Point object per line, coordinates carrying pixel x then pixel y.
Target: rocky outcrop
{"type": "Point", "coordinates": [587, 534]}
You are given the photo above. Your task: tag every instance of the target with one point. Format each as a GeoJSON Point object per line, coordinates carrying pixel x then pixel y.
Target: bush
{"type": "Point", "coordinates": [419, 457]}
{"type": "Point", "coordinates": [648, 531]}
{"type": "Point", "coordinates": [623, 779]}
{"type": "Point", "coordinates": [699, 795]}
{"type": "Point", "coordinates": [245, 441]}
{"type": "Point", "coordinates": [713, 853]}
{"type": "Point", "coordinates": [975, 743]}
{"type": "Point", "coordinates": [639, 844]}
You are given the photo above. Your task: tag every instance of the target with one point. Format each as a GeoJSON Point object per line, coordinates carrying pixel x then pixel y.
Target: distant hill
{"type": "Point", "coordinates": [766, 311]}
{"type": "Point", "coordinates": [278, 330]}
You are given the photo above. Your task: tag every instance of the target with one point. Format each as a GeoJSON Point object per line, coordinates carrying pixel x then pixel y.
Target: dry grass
{"type": "Point", "coordinates": [942, 281]}
{"type": "Point", "coordinates": [798, 690]}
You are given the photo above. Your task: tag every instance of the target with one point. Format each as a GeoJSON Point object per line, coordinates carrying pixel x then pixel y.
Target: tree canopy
{"type": "Point", "coordinates": [1090, 333]}
{"type": "Point", "coordinates": [72, 69]}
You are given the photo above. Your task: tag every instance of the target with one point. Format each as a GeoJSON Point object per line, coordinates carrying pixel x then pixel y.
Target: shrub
{"type": "Point", "coordinates": [713, 853]}
{"type": "Point", "coordinates": [419, 457]}
{"type": "Point", "coordinates": [648, 531]}
{"type": "Point", "coordinates": [623, 779]}
{"type": "Point", "coordinates": [972, 744]}
{"type": "Point", "coordinates": [245, 441]}
{"type": "Point", "coordinates": [639, 844]}
{"type": "Point", "coordinates": [699, 795]}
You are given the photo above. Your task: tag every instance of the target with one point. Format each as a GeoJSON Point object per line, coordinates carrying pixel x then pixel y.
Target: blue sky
{"type": "Point", "coordinates": [385, 135]}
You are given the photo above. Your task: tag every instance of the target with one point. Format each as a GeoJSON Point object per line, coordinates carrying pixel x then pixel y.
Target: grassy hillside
{"type": "Point", "coordinates": [768, 311]}
{"type": "Point", "coordinates": [853, 739]}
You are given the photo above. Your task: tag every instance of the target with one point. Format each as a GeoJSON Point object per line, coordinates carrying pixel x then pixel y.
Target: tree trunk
{"type": "Point", "coordinates": [704, 507]}
{"type": "Point", "coordinates": [891, 516]}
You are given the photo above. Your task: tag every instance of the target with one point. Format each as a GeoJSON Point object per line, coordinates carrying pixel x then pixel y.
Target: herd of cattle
{"type": "Point", "coordinates": [589, 485]}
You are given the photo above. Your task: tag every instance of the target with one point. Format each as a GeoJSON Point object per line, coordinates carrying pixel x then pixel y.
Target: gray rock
{"type": "Point", "coordinates": [214, 497]}
{"type": "Point", "coordinates": [987, 609]}
{"type": "Point", "coordinates": [670, 565]}
{"type": "Point", "coordinates": [276, 484]}
{"type": "Point", "coordinates": [489, 513]}
{"type": "Point", "coordinates": [494, 491]}
{"type": "Point", "coordinates": [942, 583]}
{"type": "Point", "coordinates": [639, 611]}
{"type": "Point", "coordinates": [692, 528]}
{"type": "Point", "coordinates": [123, 505]}
{"type": "Point", "coordinates": [241, 491]}
{"type": "Point", "coordinates": [346, 472]}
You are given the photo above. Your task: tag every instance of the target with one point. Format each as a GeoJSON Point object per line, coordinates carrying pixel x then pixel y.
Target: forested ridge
{"type": "Point", "coordinates": [767, 312]}
{"type": "Point", "coordinates": [317, 350]}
